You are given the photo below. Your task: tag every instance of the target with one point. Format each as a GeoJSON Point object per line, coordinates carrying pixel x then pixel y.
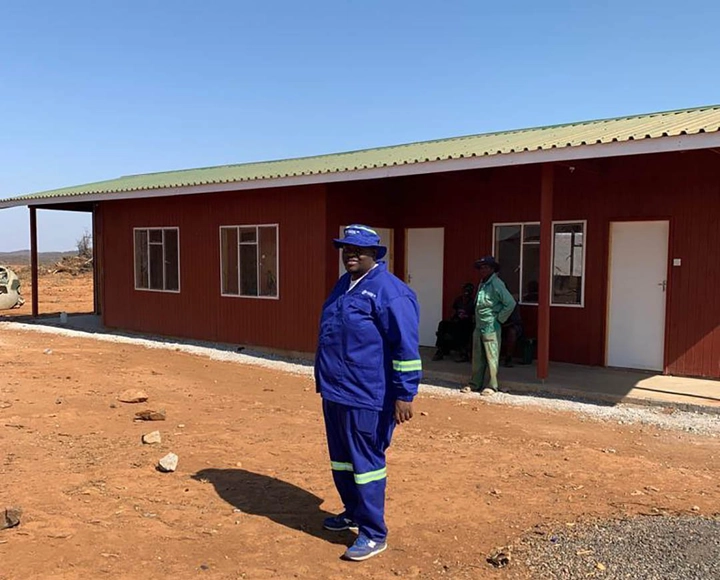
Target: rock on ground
{"type": "Point", "coordinates": [168, 463]}
{"type": "Point", "coordinates": [152, 438]}
{"type": "Point", "coordinates": [150, 415]}
{"type": "Point", "coordinates": [133, 396]}
{"type": "Point", "coordinates": [10, 517]}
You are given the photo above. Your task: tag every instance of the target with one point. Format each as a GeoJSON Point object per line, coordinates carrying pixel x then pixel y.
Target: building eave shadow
{"type": "Point", "coordinates": [280, 501]}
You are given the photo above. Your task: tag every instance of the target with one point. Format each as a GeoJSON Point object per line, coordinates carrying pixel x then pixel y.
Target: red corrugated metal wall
{"type": "Point", "coordinates": [683, 187]}
{"type": "Point", "coordinates": [365, 202]}
{"type": "Point", "coordinates": [199, 311]}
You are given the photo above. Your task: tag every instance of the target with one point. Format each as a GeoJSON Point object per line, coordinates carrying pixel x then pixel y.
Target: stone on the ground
{"type": "Point", "coordinates": [152, 437]}
{"type": "Point", "coordinates": [168, 463]}
{"type": "Point", "coordinates": [133, 396]}
{"type": "Point", "coordinates": [10, 517]}
{"type": "Point", "coordinates": [500, 557]}
{"type": "Point", "coordinates": [150, 415]}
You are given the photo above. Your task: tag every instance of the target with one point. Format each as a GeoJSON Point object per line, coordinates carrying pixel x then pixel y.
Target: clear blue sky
{"type": "Point", "coordinates": [92, 90]}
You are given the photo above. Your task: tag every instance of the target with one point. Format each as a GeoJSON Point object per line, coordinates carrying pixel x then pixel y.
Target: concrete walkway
{"type": "Point", "coordinates": [591, 384]}
{"type": "Point", "coordinates": [596, 384]}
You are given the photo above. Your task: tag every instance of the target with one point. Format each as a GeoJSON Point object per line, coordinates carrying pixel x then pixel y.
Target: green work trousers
{"type": "Point", "coordinates": [485, 356]}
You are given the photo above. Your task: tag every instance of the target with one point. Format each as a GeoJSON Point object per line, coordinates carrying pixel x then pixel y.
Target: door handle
{"type": "Point", "coordinates": [663, 284]}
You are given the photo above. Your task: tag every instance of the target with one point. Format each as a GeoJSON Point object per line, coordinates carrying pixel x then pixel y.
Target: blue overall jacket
{"type": "Point", "coordinates": [367, 355]}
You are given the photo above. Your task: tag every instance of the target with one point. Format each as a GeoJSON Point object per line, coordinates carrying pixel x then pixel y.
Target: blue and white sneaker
{"type": "Point", "coordinates": [364, 548]}
{"type": "Point", "coordinates": [339, 523]}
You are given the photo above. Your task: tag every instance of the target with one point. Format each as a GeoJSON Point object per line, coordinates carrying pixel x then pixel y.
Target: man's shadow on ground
{"type": "Point", "coordinates": [277, 500]}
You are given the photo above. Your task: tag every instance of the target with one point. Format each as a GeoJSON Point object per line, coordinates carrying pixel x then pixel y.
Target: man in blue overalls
{"type": "Point", "coordinates": [367, 370]}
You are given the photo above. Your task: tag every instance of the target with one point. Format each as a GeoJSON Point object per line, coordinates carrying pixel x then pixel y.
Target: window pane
{"type": "Point", "coordinates": [156, 236]}
{"type": "Point", "coordinates": [507, 253]}
{"type": "Point", "coordinates": [156, 267]}
{"type": "Point", "coordinates": [578, 252]}
{"type": "Point", "coordinates": [141, 259]}
{"type": "Point", "coordinates": [229, 259]}
{"type": "Point", "coordinates": [248, 235]}
{"type": "Point", "coordinates": [567, 263]}
{"type": "Point", "coordinates": [172, 262]}
{"type": "Point", "coordinates": [531, 273]}
{"type": "Point", "coordinates": [268, 261]}
{"type": "Point", "coordinates": [248, 270]}
{"type": "Point", "coordinates": [532, 233]}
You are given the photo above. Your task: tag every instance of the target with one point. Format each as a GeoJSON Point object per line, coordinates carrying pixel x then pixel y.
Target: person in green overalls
{"type": "Point", "coordinates": [493, 306]}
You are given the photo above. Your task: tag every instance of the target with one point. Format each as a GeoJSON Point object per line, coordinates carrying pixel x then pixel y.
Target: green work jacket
{"type": "Point", "coordinates": [493, 305]}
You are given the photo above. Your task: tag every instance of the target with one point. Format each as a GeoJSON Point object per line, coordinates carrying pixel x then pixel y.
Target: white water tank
{"type": "Point", "coordinates": [9, 289]}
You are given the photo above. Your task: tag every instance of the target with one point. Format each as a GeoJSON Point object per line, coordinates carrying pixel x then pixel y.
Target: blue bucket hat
{"type": "Point", "coordinates": [363, 237]}
{"type": "Point", "coordinates": [488, 261]}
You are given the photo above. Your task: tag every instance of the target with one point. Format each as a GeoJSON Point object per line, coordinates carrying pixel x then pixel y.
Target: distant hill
{"type": "Point", "coordinates": [23, 257]}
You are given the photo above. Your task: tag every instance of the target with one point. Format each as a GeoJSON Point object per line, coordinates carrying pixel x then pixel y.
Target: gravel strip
{"type": "Point", "coordinates": [692, 422]}
{"type": "Point", "coordinates": [641, 548]}
{"type": "Point", "coordinates": [213, 351]}
{"type": "Point", "coordinates": [622, 414]}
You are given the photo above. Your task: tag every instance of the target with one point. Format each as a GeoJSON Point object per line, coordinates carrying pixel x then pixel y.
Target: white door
{"type": "Point", "coordinates": [425, 276]}
{"type": "Point", "coordinates": [637, 291]}
{"type": "Point", "coordinates": [386, 239]}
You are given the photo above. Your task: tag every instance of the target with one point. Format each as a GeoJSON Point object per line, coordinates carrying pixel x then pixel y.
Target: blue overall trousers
{"type": "Point", "coordinates": [357, 441]}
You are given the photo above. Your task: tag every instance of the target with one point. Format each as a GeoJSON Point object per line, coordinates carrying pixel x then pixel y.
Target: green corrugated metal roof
{"type": "Point", "coordinates": [621, 129]}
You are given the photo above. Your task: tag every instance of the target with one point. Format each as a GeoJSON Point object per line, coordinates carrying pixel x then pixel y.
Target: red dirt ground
{"type": "Point", "coordinates": [57, 293]}
{"type": "Point", "coordinates": [253, 482]}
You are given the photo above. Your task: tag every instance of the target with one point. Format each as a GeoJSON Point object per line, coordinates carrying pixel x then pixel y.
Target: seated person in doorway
{"type": "Point", "coordinates": [456, 333]}
{"type": "Point", "coordinates": [512, 331]}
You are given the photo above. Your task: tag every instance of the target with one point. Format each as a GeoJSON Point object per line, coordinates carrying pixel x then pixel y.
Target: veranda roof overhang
{"type": "Point", "coordinates": [682, 130]}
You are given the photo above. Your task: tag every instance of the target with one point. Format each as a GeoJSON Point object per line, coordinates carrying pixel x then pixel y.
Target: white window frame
{"type": "Point", "coordinates": [147, 229]}
{"type": "Point", "coordinates": [584, 258]}
{"type": "Point", "coordinates": [257, 261]}
{"type": "Point", "coordinates": [522, 243]}
{"type": "Point", "coordinates": [552, 257]}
